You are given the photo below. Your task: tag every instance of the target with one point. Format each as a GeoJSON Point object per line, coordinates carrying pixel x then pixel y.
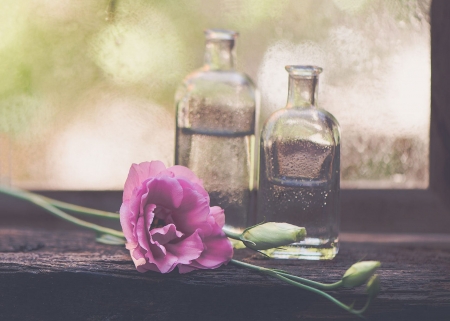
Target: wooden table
{"type": "Point", "coordinates": [55, 274]}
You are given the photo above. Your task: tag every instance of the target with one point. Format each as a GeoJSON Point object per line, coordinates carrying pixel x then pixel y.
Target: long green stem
{"type": "Point", "coordinates": [317, 285]}
{"type": "Point", "coordinates": [41, 202]}
{"type": "Point", "coordinates": [81, 209]}
{"type": "Point", "coordinates": [302, 286]}
{"type": "Point", "coordinates": [63, 205]}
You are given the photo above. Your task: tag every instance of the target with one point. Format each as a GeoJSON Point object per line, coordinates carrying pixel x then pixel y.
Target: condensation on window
{"type": "Point", "coordinates": [87, 87]}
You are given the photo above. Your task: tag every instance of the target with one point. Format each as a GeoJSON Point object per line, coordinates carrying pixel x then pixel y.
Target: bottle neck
{"type": "Point", "coordinates": [219, 55]}
{"type": "Point", "coordinates": [302, 91]}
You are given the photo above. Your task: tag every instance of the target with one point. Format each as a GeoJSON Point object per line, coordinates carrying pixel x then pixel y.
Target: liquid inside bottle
{"type": "Point", "coordinates": [216, 113]}
{"type": "Point", "coordinates": [300, 168]}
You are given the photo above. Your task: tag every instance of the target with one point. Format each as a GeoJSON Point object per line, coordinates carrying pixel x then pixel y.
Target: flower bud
{"type": "Point", "coordinates": [373, 286]}
{"type": "Point", "coordinates": [359, 272]}
{"type": "Point", "coordinates": [270, 235]}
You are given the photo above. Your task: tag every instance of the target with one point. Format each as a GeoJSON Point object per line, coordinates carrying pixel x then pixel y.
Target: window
{"type": "Point", "coordinates": [81, 98]}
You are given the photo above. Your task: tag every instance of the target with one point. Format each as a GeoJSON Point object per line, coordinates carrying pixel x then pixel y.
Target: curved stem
{"type": "Point", "coordinates": [302, 286]}
{"type": "Point", "coordinates": [319, 292]}
{"type": "Point", "coordinates": [314, 284]}
{"type": "Point", "coordinates": [41, 202]}
{"type": "Point", "coordinates": [248, 266]}
{"type": "Point", "coordinates": [60, 204]}
{"type": "Point", "coordinates": [81, 209]}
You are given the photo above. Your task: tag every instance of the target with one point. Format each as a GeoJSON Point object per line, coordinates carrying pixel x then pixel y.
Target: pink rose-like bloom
{"type": "Point", "coordinates": [167, 220]}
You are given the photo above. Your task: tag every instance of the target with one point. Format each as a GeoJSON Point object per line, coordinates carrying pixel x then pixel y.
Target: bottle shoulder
{"type": "Point", "coordinates": [291, 116]}
{"type": "Point", "coordinates": [231, 77]}
{"type": "Point", "coordinates": [300, 124]}
{"type": "Point", "coordinates": [216, 84]}
{"type": "Point", "coordinates": [217, 100]}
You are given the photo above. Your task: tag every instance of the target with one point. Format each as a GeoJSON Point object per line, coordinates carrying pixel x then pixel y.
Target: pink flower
{"type": "Point", "coordinates": [167, 221]}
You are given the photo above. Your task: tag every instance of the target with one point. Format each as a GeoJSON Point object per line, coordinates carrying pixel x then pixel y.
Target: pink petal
{"type": "Point", "coordinates": [149, 215]}
{"type": "Point", "coordinates": [139, 173]}
{"type": "Point", "coordinates": [157, 252]}
{"type": "Point", "coordinates": [188, 184]}
{"type": "Point", "coordinates": [142, 232]}
{"type": "Point", "coordinates": [127, 221]}
{"type": "Point", "coordinates": [193, 211]}
{"type": "Point", "coordinates": [158, 255]}
{"type": "Point", "coordinates": [165, 234]}
{"type": "Point", "coordinates": [181, 171]}
{"type": "Point", "coordinates": [149, 267]}
{"type": "Point", "coordinates": [138, 259]}
{"type": "Point", "coordinates": [218, 251]}
{"type": "Point", "coordinates": [185, 268]}
{"type": "Point", "coordinates": [163, 191]}
{"type": "Point", "coordinates": [188, 249]}
{"type": "Point", "coordinates": [166, 263]}
{"type": "Point", "coordinates": [218, 214]}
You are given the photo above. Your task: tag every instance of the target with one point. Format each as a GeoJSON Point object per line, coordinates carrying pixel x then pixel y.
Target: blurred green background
{"type": "Point", "coordinates": [86, 87]}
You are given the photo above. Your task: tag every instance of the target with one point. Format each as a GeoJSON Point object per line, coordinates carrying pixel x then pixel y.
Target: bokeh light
{"type": "Point", "coordinates": [87, 87]}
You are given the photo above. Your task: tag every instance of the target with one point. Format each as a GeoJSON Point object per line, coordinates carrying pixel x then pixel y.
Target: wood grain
{"type": "Point", "coordinates": [65, 275]}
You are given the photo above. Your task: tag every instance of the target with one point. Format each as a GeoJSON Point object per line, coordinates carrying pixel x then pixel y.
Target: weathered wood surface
{"type": "Point", "coordinates": [64, 275]}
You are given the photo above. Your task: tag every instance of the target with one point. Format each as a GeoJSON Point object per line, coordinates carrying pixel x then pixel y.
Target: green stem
{"type": "Point", "coordinates": [317, 285]}
{"type": "Point", "coordinates": [317, 291]}
{"type": "Point", "coordinates": [302, 286]}
{"type": "Point", "coordinates": [41, 202]}
{"type": "Point", "coordinates": [62, 205]}
{"type": "Point", "coordinates": [81, 209]}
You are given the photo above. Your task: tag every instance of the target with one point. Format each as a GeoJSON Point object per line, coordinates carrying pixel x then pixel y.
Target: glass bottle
{"type": "Point", "coordinates": [216, 119]}
{"type": "Point", "coordinates": [300, 169]}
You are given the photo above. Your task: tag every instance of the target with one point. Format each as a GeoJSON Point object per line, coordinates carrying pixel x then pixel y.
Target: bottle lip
{"type": "Point", "coordinates": [220, 34]}
{"type": "Point", "coordinates": [303, 70]}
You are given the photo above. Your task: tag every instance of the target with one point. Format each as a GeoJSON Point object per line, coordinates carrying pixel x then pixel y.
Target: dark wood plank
{"type": "Point", "coordinates": [65, 275]}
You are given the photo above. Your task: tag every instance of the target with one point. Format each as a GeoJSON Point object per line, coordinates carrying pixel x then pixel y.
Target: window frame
{"type": "Point", "coordinates": [426, 210]}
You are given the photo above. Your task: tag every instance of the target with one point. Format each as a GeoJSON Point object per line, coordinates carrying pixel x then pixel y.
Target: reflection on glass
{"type": "Point", "coordinates": [300, 170]}
{"type": "Point", "coordinates": [216, 118]}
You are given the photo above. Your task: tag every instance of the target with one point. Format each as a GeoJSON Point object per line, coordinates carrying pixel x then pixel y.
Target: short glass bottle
{"type": "Point", "coordinates": [300, 170]}
{"type": "Point", "coordinates": [216, 120]}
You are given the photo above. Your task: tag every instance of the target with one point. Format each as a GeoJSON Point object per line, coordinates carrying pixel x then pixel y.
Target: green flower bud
{"type": "Point", "coordinates": [373, 286]}
{"type": "Point", "coordinates": [359, 272]}
{"type": "Point", "coordinates": [270, 235]}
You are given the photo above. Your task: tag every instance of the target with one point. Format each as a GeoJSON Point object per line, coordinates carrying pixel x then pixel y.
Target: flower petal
{"type": "Point", "coordinates": [163, 191]}
{"type": "Point", "coordinates": [139, 173]}
{"type": "Point", "coordinates": [142, 234]}
{"type": "Point", "coordinates": [149, 267]}
{"type": "Point", "coordinates": [188, 249]}
{"type": "Point", "coordinates": [218, 214]}
{"type": "Point", "coordinates": [138, 259]}
{"type": "Point", "coordinates": [218, 251]}
{"type": "Point", "coordinates": [166, 263]}
{"type": "Point", "coordinates": [193, 212]}
{"type": "Point", "coordinates": [185, 268]}
{"type": "Point", "coordinates": [128, 221]}
{"type": "Point", "coordinates": [181, 171]}
{"type": "Point", "coordinates": [165, 234]}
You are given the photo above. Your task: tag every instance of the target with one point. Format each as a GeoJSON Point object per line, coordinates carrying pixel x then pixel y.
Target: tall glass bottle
{"type": "Point", "coordinates": [216, 119]}
{"type": "Point", "coordinates": [300, 169]}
